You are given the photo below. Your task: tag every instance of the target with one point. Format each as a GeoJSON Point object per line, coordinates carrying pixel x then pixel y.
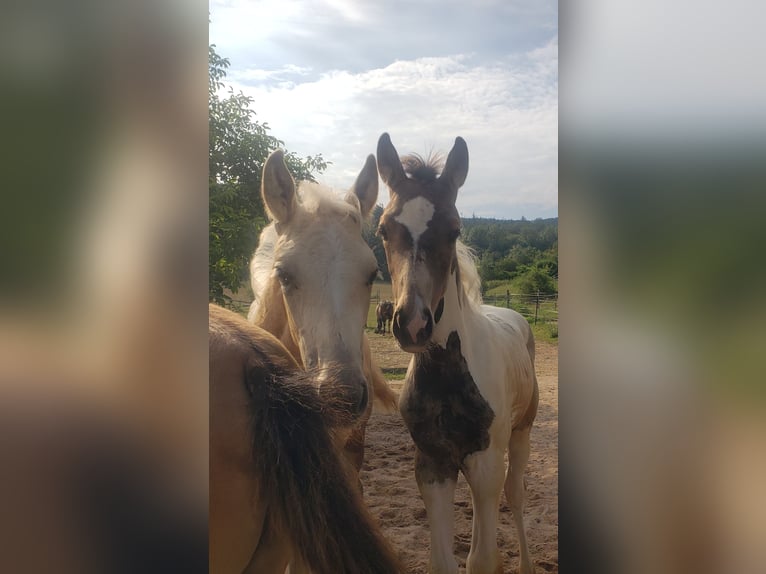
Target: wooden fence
{"type": "Point", "coordinates": [537, 308]}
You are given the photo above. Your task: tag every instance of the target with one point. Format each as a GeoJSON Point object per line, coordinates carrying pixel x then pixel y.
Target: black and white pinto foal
{"type": "Point", "coordinates": [470, 391]}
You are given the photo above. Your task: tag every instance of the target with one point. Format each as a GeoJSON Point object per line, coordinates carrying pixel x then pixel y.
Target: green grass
{"type": "Point", "coordinates": [546, 328]}
{"type": "Point", "coordinates": [395, 373]}
{"type": "Point", "coordinates": [546, 332]}
{"type": "Point", "coordinates": [382, 290]}
{"type": "Point", "coordinates": [499, 289]}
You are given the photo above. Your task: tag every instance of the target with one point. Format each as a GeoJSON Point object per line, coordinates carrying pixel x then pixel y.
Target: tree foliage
{"type": "Point", "coordinates": [238, 148]}
{"type": "Point", "coordinates": [370, 233]}
{"type": "Point", "coordinates": [525, 252]}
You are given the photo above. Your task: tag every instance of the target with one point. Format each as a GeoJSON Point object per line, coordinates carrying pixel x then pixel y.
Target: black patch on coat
{"type": "Point", "coordinates": [439, 310]}
{"type": "Point", "coordinates": [444, 411]}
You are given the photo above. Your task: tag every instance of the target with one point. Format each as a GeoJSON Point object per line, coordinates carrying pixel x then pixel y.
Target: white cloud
{"type": "Point", "coordinates": [507, 110]}
{"type": "Point", "coordinates": [256, 76]}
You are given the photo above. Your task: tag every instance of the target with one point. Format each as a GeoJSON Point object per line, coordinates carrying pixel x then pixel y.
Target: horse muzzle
{"type": "Point", "coordinates": [413, 331]}
{"type": "Point", "coordinates": [347, 394]}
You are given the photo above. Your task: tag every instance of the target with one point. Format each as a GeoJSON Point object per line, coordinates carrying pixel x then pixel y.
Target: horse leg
{"type": "Point", "coordinates": [518, 455]}
{"type": "Point", "coordinates": [485, 471]}
{"type": "Point", "coordinates": [437, 488]}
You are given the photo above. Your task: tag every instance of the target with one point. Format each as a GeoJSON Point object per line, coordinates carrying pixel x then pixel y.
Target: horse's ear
{"type": "Point", "coordinates": [453, 345]}
{"type": "Point", "coordinates": [389, 164]}
{"type": "Point", "coordinates": [456, 168]}
{"type": "Point", "coordinates": [365, 187]}
{"type": "Point", "coordinates": [278, 188]}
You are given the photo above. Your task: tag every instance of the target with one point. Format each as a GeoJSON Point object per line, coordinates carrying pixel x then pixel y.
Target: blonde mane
{"type": "Point", "coordinates": [262, 262]}
{"type": "Point", "coordinates": [469, 274]}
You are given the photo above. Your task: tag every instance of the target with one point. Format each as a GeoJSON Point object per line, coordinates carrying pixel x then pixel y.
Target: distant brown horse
{"type": "Point", "coordinates": [385, 314]}
{"type": "Point", "coordinates": [279, 488]}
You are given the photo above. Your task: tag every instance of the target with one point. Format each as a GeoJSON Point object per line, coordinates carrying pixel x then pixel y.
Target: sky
{"type": "Point", "coordinates": [330, 76]}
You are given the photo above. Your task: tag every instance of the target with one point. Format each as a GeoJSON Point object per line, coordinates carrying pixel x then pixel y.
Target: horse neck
{"type": "Point", "coordinates": [457, 311]}
{"type": "Point", "coordinates": [271, 315]}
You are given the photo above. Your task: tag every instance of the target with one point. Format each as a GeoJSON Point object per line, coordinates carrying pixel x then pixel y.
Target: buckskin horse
{"type": "Point", "coordinates": [279, 487]}
{"type": "Point", "coordinates": [470, 392]}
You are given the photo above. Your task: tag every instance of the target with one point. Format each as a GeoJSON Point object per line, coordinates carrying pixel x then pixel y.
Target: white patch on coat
{"type": "Point", "coordinates": [415, 216]}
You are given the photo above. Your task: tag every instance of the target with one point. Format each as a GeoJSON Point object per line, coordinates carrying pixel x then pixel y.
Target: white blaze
{"type": "Point", "coordinates": [415, 216]}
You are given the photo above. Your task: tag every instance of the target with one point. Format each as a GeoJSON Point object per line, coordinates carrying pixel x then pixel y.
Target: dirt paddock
{"type": "Point", "coordinates": [391, 493]}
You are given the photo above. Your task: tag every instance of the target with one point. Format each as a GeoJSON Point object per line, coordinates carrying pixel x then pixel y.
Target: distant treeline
{"type": "Point", "coordinates": [525, 253]}
{"type": "Point", "coordinates": [520, 252]}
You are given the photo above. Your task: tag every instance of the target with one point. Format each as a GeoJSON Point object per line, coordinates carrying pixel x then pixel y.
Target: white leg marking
{"type": "Point", "coordinates": [485, 472]}
{"type": "Point", "coordinates": [439, 500]}
{"type": "Point", "coordinates": [518, 455]}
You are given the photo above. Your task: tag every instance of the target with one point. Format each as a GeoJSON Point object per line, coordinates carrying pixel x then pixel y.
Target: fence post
{"type": "Point", "coordinates": [508, 298]}
{"type": "Point", "coordinates": [537, 305]}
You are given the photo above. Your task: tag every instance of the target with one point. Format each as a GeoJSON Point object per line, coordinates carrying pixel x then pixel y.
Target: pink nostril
{"type": "Point", "coordinates": [414, 327]}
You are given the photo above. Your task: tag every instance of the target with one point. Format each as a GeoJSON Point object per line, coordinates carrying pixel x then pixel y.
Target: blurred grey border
{"type": "Point", "coordinates": [661, 193]}
{"type": "Point", "coordinates": [103, 308]}
{"type": "Point", "coordinates": [103, 305]}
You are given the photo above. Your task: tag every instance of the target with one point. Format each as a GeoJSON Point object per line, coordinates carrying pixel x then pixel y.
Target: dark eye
{"type": "Point", "coordinates": [382, 232]}
{"type": "Point", "coordinates": [285, 279]}
{"type": "Point", "coordinates": [371, 279]}
{"type": "Point", "coordinates": [454, 234]}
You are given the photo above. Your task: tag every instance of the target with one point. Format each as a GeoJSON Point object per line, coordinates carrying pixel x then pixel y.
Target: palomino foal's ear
{"type": "Point", "coordinates": [389, 164]}
{"type": "Point", "coordinates": [365, 187]}
{"type": "Point", "coordinates": [456, 168]}
{"type": "Point", "coordinates": [278, 188]}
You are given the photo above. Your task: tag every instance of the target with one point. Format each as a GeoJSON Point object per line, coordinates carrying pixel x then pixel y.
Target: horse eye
{"type": "Point", "coordinates": [284, 277]}
{"type": "Point", "coordinates": [382, 232]}
{"type": "Point", "coordinates": [454, 234]}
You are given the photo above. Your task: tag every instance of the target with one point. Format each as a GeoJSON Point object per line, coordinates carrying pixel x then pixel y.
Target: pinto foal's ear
{"type": "Point", "coordinates": [389, 164]}
{"type": "Point", "coordinates": [456, 168]}
{"type": "Point", "coordinates": [278, 188]}
{"type": "Point", "coordinates": [365, 187]}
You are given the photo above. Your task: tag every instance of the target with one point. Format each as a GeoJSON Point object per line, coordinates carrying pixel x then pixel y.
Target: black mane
{"type": "Point", "coordinates": [422, 169]}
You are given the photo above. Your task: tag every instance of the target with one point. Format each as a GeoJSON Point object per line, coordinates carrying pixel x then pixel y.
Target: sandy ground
{"type": "Point", "coordinates": [392, 494]}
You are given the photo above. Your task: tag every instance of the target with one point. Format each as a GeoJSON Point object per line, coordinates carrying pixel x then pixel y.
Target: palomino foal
{"type": "Point", "coordinates": [311, 276]}
{"type": "Point", "coordinates": [470, 391]}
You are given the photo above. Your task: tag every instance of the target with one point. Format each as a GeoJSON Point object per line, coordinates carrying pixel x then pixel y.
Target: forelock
{"type": "Point", "coordinates": [318, 200]}
{"type": "Point", "coordinates": [423, 169]}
